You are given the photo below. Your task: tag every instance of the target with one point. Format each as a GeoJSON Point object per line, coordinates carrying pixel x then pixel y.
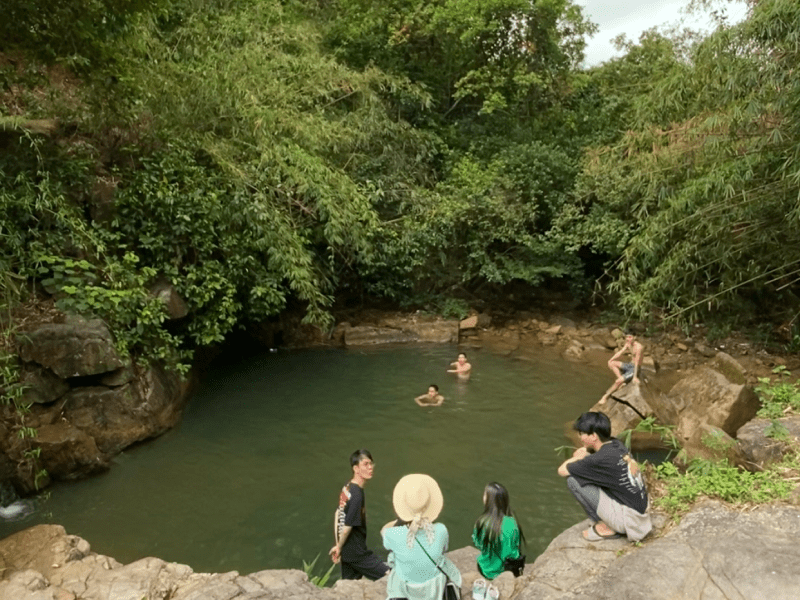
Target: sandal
{"type": "Point", "coordinates": [592, 535]}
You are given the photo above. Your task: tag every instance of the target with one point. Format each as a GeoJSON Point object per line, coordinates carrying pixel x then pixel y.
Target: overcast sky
{"type": "Point", "coordinates": [632, 17]}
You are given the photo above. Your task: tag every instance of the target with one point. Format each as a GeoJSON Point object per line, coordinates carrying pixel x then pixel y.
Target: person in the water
{"type": "Point", "coordinates": [432, 398]}
{"type": "Point", "coordinates": [460, 366]}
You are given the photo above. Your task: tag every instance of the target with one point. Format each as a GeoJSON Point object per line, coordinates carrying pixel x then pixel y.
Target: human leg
{"type": "Point", "coordinates": [349, 572]}
{"type": "Point", "coordinates": [616, 368]}
{"type": "Point", "coordinates": [588, 496]}
{"type": "Point", "coordinates": [369, 566]}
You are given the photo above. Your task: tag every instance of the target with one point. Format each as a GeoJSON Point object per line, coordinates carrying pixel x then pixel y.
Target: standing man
{"type": "Point", "coordinates": [350, 526]}
{"type": "Point", "coordinates": [606, 482]}
{"type": "Point", "coordinates": [625, 371]}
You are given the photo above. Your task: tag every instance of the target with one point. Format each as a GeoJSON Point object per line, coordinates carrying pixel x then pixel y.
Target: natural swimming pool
{"type": "Point", "coordinates": [250, 478]}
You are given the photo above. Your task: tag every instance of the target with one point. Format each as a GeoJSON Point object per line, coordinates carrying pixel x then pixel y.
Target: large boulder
{"type": "Point", "coordinates": [76, 348]}
{"type": "Point", "coordinates": [713, 554]}
{"type": "Point", "coordinates": [705, 397]}
{"type": "Point", "coordinates": [764, 441]}
{"type": "Point", "coordinates": [118, 417]}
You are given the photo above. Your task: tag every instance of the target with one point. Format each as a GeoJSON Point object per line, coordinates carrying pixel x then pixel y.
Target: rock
{"type": "Point", "coordinates": [119, 417]}
{"type": "Point", "coordinates": [469, 322]}
{"type": "Point", "coordinates": [574, 351]}
{"type": "Point", "coordinates": [403, 330]}
{"type": "Point", "coordinates": [730, 368]}
{"type": "Point", "coordinates": [553, 330]}
{"type": "Point", "coordinates": [760, 450]}
{"type": "Point", "coordinates": [604, 338]}
{"type": "Point", "coordinates": [68, 452]}
{"type": "Point", "coordinates": [484, 320]}
{"type": "Point", "coordinates": [169, 297]}
{"type": "Point", "coordinates": [76, 348]}
{"type": "Point", "coordinates": [547, 339]}
{"type": "Point", "coordinates": [43, 386]}
{"type": "Point", "coordinates": [714, 553]}
{"type": "Point", "coordinates": [705, 350]}
{"type": "Point", "coordinates": [119, 377]}
{"type": "Point", "coordinates": [706, 396]}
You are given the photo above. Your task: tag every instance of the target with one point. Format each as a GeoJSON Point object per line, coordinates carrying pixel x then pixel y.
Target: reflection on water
{"type": "Point", "coordinates": [249, 480]}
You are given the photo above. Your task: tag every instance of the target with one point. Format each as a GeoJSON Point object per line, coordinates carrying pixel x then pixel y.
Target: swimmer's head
{"type": "Point", "coordinates": [462, 357]}
{"type": "Point", "coordinates": [433, 389]}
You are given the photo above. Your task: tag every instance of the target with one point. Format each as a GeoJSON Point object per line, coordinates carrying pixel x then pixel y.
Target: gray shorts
{"type": "Point", "coordinates": [627, 370]}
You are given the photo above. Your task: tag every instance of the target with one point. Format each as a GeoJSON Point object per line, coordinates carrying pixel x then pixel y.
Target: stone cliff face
{"type": "Point", "coordinates": [87, 402]}
{"type": "Point", "coordinates": [713, 554]}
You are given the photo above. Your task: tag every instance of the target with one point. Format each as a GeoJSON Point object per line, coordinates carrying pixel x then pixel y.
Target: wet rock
{"type": "Point", "coordinates": [119, 377]}
{"type": "Point", "coordinates": [76, 348]}
{"type": "Point", "coordinates": [366, 335]}
{"type": "Point", "coordinates": [68, 452]}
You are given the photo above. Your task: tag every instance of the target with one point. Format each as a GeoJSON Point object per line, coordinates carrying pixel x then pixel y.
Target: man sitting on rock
{"type": "Point", "coordinates": [625, 371]}
{"type": "Point", "coordinates": [607, 482]}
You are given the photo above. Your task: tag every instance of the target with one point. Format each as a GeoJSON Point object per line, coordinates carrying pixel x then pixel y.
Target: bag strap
{"type": "Point", "coordinates": [433, 561]}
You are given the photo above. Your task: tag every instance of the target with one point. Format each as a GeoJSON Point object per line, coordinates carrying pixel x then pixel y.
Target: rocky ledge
{"type": "Point", "coordinates": [714, 553]}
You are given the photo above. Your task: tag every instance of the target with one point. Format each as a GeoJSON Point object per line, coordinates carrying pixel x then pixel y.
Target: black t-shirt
{"type": "Point", "coordinates": [608, 469]}
{"type": "Point", "coordinates": [352, 512]}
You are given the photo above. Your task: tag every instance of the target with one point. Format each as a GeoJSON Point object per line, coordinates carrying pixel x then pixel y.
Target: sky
{"type": "Point", "coordinates": [632, 17]}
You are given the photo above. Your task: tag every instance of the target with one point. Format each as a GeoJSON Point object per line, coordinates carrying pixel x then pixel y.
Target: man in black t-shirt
{"type": "Point", "coordinates": [606, 481]}
{"type": "Point", "coordinates": [350, 525]}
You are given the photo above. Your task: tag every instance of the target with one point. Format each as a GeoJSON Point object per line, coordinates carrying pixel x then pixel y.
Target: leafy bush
{"type": "Point", "coordinates": [777, 397]}
{"type": "Point", "coordinates": [718, 480]}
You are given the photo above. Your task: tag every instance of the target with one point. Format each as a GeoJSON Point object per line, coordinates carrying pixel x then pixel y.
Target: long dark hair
{"type": "Point", "coordinates": [489, 524]}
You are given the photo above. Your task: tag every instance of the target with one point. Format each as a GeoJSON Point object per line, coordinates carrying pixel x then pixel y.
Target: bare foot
{"type": "Point", "coordinates": [603, 400]}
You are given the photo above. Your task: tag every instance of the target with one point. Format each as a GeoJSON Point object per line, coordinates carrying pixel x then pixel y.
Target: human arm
{"type": "Point", "coordinates": [419, 399]}
{"type": "Point", "coordinates": [579, 454]}
{"type": "Point", "coordinates": [336, 551]}
{"type": "Point", "coordinates": [439, 400]}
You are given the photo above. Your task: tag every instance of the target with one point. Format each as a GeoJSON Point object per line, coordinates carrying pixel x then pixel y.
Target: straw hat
{"type": "Point", "coordinates": [417, 496]}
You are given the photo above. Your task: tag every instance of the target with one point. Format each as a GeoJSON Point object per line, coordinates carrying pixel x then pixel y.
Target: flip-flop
{"type": "Point", "coordinates": [592, 535]}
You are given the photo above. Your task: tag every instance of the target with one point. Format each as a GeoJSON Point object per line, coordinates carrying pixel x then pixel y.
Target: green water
{"type": "Point", "coordinates": [250, 478]}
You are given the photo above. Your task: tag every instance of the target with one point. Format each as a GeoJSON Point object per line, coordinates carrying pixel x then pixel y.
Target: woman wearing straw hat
{"type": "Point", "coordinates": [420, 570]}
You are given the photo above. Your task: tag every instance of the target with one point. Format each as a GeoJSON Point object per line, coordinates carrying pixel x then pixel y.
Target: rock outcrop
{"type": "Point", "coordinates": [88, 403]}
{"type": "Point", "coordinates": [715, 553]}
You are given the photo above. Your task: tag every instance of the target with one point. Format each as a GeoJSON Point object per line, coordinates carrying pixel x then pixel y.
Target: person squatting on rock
{"type": "Point", "coordinates": [497, 534]}
{"type": "Point", "coordinates": [626, 372]}
{"type": "Point", "coordinates": [350, 525]}
{"type": "Point", "coordinates": [416, 543]}
{"type": "Point", "coordinates": [607, 482]}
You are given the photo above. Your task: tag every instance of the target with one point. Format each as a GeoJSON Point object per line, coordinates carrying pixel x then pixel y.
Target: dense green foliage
{"type": "Point", "coordinates": [268, 155]}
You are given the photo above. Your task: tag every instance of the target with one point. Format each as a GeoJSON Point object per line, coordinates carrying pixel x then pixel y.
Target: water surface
{"type": "Point", "coordinates": [250, 478]}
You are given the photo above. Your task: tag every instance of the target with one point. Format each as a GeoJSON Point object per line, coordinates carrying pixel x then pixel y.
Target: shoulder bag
{"type": "Point", "coordinates": [451, 590]}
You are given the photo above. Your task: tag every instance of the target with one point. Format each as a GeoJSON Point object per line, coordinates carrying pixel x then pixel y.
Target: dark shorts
{"type": "Point", "coordinates": [369, 566]}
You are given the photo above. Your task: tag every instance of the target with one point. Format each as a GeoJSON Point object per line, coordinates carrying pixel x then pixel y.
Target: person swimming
{"type": "Point", "coordinates": [432, 398]}
{"type": "Point", "coordinates": [461, 366]}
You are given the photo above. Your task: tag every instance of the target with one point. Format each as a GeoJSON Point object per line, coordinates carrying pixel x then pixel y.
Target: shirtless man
{"type": "Point", "coordinates": [625, 371]}
{"type": "Point", "coordinates": [462, 367]}
{"type": "Point", "coordinates": [432, 398]}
